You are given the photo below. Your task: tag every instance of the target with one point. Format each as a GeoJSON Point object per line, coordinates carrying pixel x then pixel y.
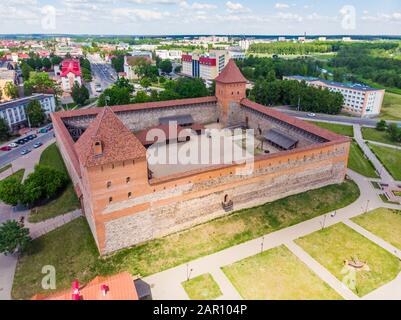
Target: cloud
{"type": "Point", "coordinates": [233, 7]}
{"type": "Point", "coordinates": [394, 17]}
{"type": "Point", "coordinates": [197, 6]}
{"type": "Point", "coordinates": [137, 14]}
{"type": "Point", "coordinates": [280, 5]}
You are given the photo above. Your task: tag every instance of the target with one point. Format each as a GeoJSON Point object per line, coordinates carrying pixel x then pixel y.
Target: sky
{"type": "Point", "coordinates": [176, 17]}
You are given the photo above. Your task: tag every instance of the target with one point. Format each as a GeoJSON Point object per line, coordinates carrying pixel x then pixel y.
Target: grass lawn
{"type": "Point", "coordinates": [384, 198]}
{"type": "Point", "coordinates": [337, 128]}
{"type": "Point", "coordinates": [359, 163]}
{"type": "Point", "coordinates": [241, 226]}
{"type": "Point", "coordinates": [202, 288]}
{"type": "Point", "coordinates": [380, 136]}
{"type": "Point", "coordinates": [18, 174]}
{"type": "Point", "coordinates": [67, 201]}
{"type": "Point", "coordinates": [277, 274]}
{"type": "Point", "coordinates": [391, 109]}
{"type": "Point", "coordinates": [161, 254]}
{"type": "Point", "coordinates": [385, 223]}
{"type": "Point", "coordinates": [390, 158]}
{"type": "Point", "coordinates": [70, 249]}
{"type": "Point", "coordinates": [5, 168]}
{"type": "Point", "coordinates": [333, 245]}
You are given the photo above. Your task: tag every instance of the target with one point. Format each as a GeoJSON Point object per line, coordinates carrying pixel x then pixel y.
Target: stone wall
{"type": "Point", "coordinates": [268, 183]}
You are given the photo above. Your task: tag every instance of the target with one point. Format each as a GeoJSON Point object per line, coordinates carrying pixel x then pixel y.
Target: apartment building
{"type": "Point", "coordinates": [70, 73]}
{"type": "Point", "coordinates": [14, 111]}
{"type": "Point", "coordinates": [7, 75]}
{"type": "Point", "coordinates": [359, 100]}
{"type": "Point", "coordinates": [206, 67]}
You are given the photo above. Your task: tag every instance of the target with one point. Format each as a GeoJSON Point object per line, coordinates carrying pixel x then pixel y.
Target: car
{"type": "Point", "coordinates": [5, 148]}
{"type": "Point", "coordinates": [43, 130]}
{"type": "Point", "coordinates": [31, 137]}
{"type": "Point", "coordinates": [25, 151]}
{"type": "Point", "coordinates": [37, 145]}
{"type": "Point", "coordinates": [50, 127]}
{"type": "Point", "coordinates": [13, 145]}
{"type": "Point", "coordinates": [20, 141]}
{"type": "Point", "coordinates": [312, 115]}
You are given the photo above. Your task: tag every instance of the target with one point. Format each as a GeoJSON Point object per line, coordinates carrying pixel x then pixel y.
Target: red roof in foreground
{"type": "Point", "coordinates": [72, 66]}
{"type": "Point", "coordinates": [118, 143]}
{"type": "Point", "coordinates": [118, 287]}
{"type": "Point", "coordinates": [231, 74]}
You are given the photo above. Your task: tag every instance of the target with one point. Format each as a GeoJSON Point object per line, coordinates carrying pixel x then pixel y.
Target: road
{"type": "Point", "coordinates": [7, 157]}
{"type": "Point", "coordinates": [103, 73]}
{"type": "Point", "coordinates": [326, 117]}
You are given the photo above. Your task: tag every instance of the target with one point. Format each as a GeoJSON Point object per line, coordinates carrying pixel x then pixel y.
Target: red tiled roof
{"type": "Point", "coordinates": [326, 134]}
{"type": "Point", "coordinates": [118, 143]}
{"type": "Point", "coordinates": [72, 66]}
{"type": "Point", "coordinates": [120, 287]}
{"type": "Point", "coordinates": [170, 133]}
{"type": "Point", "coordinates": [231, 74]}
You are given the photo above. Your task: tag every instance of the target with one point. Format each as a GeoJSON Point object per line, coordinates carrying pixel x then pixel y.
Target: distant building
{"type": "Point", "coordinates": [74, 52]}
{"type": "Point", "coordinates": [132, 62]}
{"type": "Point", "coordinates": [207, 67]}
{"type": "Point", "coordinates": [169, 54]}
{"type": "Point", "coordinates": [359, 100]}
{"type": "Point", "coordinates": [236, 53]}
{"type": "Point", "coordinates": [347, 39]}
{"type": "Point", "coordinates": [282, 39]}
{"type": "Point", "coordinates": [7, 75]}
{"type": "Point", "coordinates": [13, 111]}
{"type": "Point", "coordinates": [70, 73]}
{"type": "Point", "coordinates": [322, 38]}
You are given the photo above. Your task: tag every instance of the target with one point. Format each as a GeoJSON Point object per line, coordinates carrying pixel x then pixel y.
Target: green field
{"type": "Point", "coordinates": [66, 201]}
{"type": "Point", "coordinates": [161, 254]}
{"type": "Point", "coordinates": [337, 128]}
{"type": "Point", "coordinates": [391, 109]}
{"type": "Point", "coordinates": [372, 134]}
{"type": "Point", "coordinates": [277, 274]}
{"type": "Point", "coordinates": [19, 175]}
{"type": "Point", "coordinates": [390, 158]}
{"type": "Point", "coordinates": [358, 163]}
{"type": "Point", "coordinates": [202, 288]}
{"type": "Point", "coordinates": [70, 249]}
{"type": "Point", "coordinates": [385, 223]}
{"type": "Point", "coordinates": [333, 245]}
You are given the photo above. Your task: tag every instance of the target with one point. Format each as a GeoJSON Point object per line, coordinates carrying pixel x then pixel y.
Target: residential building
{"type": "Point", "coordinates": [131, 64]}
{"type": "Point", "coordinates": [359, 100]}
{"type": "Point", "coordinates": [128, 198]}
{"type": "Point", "coordinates": [169, 54]}
{"type": "Point", "coordinates": [63, 51]}
{"type": "Point", "coordinates": [206, 67]}
{"type": "Point", "coordinates": [7, 75]}
{"type": "Point", "coordinates": [70, 74]}
{"type": "Point", "coordinates": [14, 111]}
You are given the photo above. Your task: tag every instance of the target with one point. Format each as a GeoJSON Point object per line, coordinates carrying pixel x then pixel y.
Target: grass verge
{"type": "Point", "coordinates": [202, 288]}
{"type": "Point", "coordinates": [379, 136]}
{"type": "Point", "coordinates": [390, 158]}
{"type": "Point", "coordinates": [337, 128]}
{"type": "Point", "coordinates": [358, 162]}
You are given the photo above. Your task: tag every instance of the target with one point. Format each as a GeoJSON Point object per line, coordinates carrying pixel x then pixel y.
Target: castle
{"type": "Point", "coordinates": [127, 200]}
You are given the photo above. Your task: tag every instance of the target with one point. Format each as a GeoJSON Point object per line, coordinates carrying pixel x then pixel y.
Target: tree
{"type": "Point", "coordinates": [141, 97]}
{"type": "Point", "coordinates": [145, 82]}
{"type": "Point", "coordinates": [11, 90]}
{"type": "Point", "coordinates": [42, 184]}
{"type": "Point", "coordinates": [118, 63]}
{"type": "Point", "coordinates": [26, 70]}
{"type": "Point", "coordinates": [381, 125]}
{"type": "Point", "coordinates": [394, 131]}
{"type": "Point", "coordinates": [114, 96]}
{"type": "Point", "coordinates": [40, 82]}
{"type": "Point", "coordinates": [177, 69]}
{"type": "Point", "coordinates": [35, 113]}
{"type": "Point", "coordinates": [166, 66]}
{"type": "Point", "coordinates": [13, 237]}
{"type": "Point", "coordinates": [55, 60]}
{"type": "Point", "coordinates": [79, 94]}
{"type": "Point", "coordinates": [10, 191]}
{"type": "Point", "coordinates": [4, 130]}
{"type": "Point", "coordinates": [46, 63]}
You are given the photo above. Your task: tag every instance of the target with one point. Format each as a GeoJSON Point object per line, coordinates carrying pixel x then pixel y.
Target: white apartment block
{"type": "Point", "coordinates": [13, 111]}
{"type": "Point", "coordinates": [169, 54]}
{"type": "Point", "coordinates": [359, 100]}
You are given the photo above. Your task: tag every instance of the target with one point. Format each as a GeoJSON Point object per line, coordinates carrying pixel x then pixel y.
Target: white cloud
{"type": "Point", "coordinates": [197, 6]}
{"type": "Point", "coordinates": [137, 14]}
{"type": "Point", "coordinates": [280, 5]}
{"type": "Point", "coordinates": [394, 17]}
{"type": "Point", "coordinates": [233, 7]}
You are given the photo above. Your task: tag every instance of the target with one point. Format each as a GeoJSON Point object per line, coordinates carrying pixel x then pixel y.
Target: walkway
{"type": "Point", "coordinates": [384, 144]}
{"type": "Point", "coordinates": [167, 284]}
{"type": "Point", "coordinates": [385, 176]}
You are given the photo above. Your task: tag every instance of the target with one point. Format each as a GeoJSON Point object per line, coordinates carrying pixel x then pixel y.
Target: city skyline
{"type": "Point", "coordinates": [145, 17]}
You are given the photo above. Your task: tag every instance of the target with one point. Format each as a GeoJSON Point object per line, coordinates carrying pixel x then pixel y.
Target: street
{"type": "Point", "coordinates": [103, 74]}
{"type": "Point", "coordinates": [7, 157]}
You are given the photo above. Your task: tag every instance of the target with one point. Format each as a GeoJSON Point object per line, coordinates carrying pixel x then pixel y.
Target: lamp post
{"type": "Point", "coordinates": [262, 244]}
{"type": "Point", "coordinates": [367, 206]}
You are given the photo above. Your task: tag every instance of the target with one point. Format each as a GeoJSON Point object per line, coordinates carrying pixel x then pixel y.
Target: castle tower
{"type": "Point", "coordinates": [230, 90]}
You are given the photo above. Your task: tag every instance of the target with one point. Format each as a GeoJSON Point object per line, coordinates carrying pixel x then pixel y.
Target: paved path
{"type": "Point", "coordinates": [384, 144]}
{"type": "Point", "coordinates": [7, 267]}
{"type": "Point", "coordinates": [385, 176]}
{"type": "Point", "coordinates": [167, 284]}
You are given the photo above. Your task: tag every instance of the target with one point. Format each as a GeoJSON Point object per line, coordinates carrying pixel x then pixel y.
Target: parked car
{"type": "Point", "coordinates": [312, 115]}
{"type": "Point", "coordinates": [43, 130]}
{"type": "Point", "coordinates": [13, 145]}
{"type": "Point", "coordinates": [20, 141]}
{"type": "Point", "coordinates": [5, 148]}
{"type": "Point", "coordinates": [31, 137]}
{"type": "Point", "coordinates": [37, 145]}
{"type": "Point", "coordinates": [50, 127]}
{"type": "Point", "coordinates": [25, 151]}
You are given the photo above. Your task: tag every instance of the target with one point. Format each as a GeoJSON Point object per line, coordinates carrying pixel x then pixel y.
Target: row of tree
{"type": "Point", "coordinates": [307, 98]}
{"type": "Point", "coordinates": [392, 129]}
{"type": "Point", "coordinates": [290, 48]}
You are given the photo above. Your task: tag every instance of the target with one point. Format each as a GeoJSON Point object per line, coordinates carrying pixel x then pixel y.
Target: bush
{"type": "Point", "coordinates": [10, 191]}
{"type": "Point", "coordinates": [13, 237]}
{"type": "Point", "coordinates": [42, 184]}
{"type": "Point", "coordinates": [381, 125]}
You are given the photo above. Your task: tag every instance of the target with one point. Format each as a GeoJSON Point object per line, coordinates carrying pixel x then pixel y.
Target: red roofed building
{"type": "Point", "coordinates": [70, 73]}
{"type": "Point", "coordinates": [118, 287]}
